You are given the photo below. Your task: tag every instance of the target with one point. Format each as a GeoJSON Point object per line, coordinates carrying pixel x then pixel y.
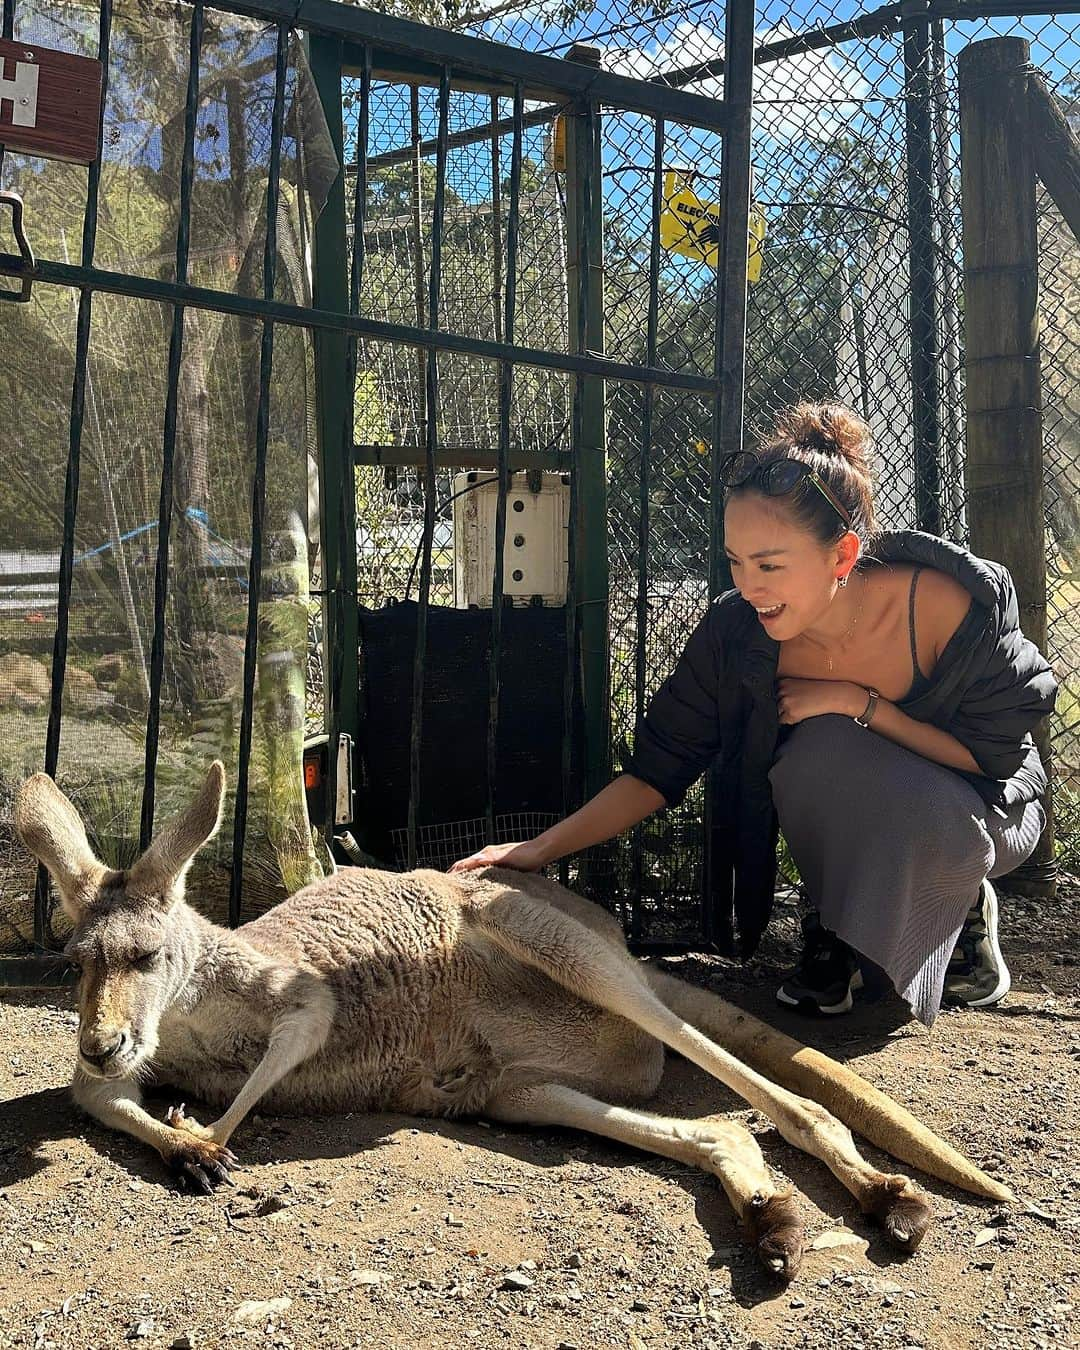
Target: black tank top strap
{"type": "Point", "coordinates": [916, 674]}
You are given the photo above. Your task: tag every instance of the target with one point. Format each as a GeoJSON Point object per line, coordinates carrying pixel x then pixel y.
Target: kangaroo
{"type": "Point", "coordinates": [496, 993]}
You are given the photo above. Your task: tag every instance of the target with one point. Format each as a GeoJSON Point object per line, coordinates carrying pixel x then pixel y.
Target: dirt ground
{"type": "Point", "coordinates": [390, 1231]}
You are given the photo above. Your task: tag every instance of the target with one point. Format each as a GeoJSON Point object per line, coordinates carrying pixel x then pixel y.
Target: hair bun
{"type": "Point", "coordinates": [827, 429]}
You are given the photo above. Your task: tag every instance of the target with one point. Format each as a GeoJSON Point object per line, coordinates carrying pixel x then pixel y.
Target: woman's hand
{"type": "Point", "coordinates": [524, 857]}
{"type": "Point", "coordinates": [796, 700]}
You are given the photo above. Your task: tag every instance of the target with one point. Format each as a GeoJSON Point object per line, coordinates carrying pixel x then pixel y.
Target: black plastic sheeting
{"type": "Point", "coordinates": [453, 777]}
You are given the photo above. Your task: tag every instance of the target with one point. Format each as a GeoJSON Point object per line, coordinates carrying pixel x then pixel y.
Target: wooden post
{"type": "Point", "coordinates": [1004, 385]}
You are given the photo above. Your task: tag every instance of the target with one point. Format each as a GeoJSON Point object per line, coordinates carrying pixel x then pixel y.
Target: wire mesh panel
{"type": "Point", "coordinates": [454, 323]}
{"type": "Point", "coordinates": [1060, 305]}
{"type": "Point", "coordinates": [856, 163]}
{"type": "Point", "coordinates": [126, 678]}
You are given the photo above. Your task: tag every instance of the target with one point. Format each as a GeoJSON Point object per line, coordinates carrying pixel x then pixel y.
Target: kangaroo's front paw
{"type": "Point", "coordinates": [177, 1118]}
{"type": "Point", "coordinates": [191, 1154]}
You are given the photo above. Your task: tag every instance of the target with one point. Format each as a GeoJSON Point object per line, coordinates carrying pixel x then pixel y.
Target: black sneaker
{"type": "Point", "coordinates": [977, 976]}
{"type": "Point", "coordinates": [827, 973]}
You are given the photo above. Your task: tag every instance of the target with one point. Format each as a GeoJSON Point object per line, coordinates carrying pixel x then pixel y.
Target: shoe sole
{"type": "Point", "coordinates": [1004, 984]}
{"type": "Point", "coordinates": [808, 1004]}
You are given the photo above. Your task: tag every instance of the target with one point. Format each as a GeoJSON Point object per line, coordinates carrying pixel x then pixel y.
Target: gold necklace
{"type": "Point", "coordinates": [848, 633]}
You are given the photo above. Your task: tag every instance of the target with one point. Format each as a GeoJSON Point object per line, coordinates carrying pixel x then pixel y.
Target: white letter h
{"type": "Point", "coordinates": [23, 93]}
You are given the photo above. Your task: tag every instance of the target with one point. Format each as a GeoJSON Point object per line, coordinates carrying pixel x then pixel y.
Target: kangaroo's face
{"type": "Point", "coordinates": [123, 943]}
{"type": "Point", "coordinates": [128, 975]}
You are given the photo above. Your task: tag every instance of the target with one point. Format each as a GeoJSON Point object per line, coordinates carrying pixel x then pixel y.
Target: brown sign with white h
{"type": "Point", "coordinates": [50, 102]}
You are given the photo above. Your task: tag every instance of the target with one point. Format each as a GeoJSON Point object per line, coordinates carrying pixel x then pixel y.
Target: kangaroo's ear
{"type": "Point", "coordinates": [53, 831]}
{"type": "Point", "coordinates": [169, 855]}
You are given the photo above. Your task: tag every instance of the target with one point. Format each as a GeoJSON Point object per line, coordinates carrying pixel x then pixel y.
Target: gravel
{"type": "Point", "coordinates": [391, 1232]}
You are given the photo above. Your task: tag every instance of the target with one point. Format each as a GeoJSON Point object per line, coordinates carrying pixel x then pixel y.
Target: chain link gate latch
{"type": "Point", "coordinates": [23, 265]}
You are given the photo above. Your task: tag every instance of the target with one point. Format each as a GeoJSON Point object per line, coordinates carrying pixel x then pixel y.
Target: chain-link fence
{"type": "Point", "coordinates": [856, 163]}
{"type": "Point", "coordinates": [857, 294]}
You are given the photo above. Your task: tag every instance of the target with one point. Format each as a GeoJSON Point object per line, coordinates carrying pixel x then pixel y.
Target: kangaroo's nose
{"type": "Point", "coordinates": [103, 1050]}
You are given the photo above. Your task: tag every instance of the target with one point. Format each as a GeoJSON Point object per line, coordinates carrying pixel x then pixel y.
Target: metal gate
{"type": "Point", "coordinates": [350, 54]}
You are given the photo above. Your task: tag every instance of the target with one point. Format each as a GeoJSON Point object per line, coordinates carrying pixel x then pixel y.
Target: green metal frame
{"type": "Point", "coordinates": [585, 249]}
{"type": "Point", "coordinates": [345, 40]}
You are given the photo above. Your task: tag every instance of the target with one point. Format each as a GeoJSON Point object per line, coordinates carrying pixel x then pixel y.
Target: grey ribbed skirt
{"type": "Point", "coordinates": [892, 848]}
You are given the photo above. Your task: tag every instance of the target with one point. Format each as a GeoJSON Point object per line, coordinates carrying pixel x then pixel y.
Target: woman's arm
{"type": "Point", "coordinates": [926, 740]}
{"type": "Point", "coordinates": [615, 808]}
{"type": "Point", "coordinates": [799, 699]}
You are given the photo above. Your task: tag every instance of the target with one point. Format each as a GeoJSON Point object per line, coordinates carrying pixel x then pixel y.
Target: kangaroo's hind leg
{"type": "Point", "coordinates": [892, 1199]}
{"type": "Point", "coordinates": [726, 1148]}
{"type": "Point", "coordinates": [547, 939]}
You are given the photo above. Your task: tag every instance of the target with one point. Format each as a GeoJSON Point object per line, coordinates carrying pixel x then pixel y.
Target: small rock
{"type": "Point", "coordinates": [797, 1303]}
{"type": "Point", "coordinates": [140, 1331]}
{"type": "Point", "coordinates": [185, 1341]}
{"type": "Point", "coordinates": [639, 1305]}
{"type": "Point", "coordinates": [253, 1311]}
{"type": "Point", "coordinates": [526, 1265]}
{"type": "Point", "coordinates": [368, 1278]}
{"type": "Point", "coordinates": [985, 1235]}
{"type": "Point", "coordinates": [452, 1221]}
{"type": "Point", "coordinates": [836, 1238]}
{"type": "Point", "coordinates": [573, 1261]}
{"type": "Point", "coordinates": [516, 1279]}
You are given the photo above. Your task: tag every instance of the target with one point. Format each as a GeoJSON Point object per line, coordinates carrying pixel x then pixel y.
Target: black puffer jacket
{"type": "Point", "coordinates": [989, 689]}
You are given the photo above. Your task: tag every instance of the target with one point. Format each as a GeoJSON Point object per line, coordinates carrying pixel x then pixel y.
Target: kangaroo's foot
{"type": "Point", "coordinates": [775, 1227]}
{"type": "Point", "coordinates": [901, 1209]}
{"type": "Point", "coordinates": [197, 1161]}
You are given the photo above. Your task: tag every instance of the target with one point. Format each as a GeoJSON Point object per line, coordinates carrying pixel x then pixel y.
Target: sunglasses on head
{"type": "Point", "coordinates": [778, 478]}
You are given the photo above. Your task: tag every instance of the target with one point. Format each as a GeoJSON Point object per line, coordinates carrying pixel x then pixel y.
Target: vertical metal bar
{"type": "Point", "coordinates": [7, 31]}
{"type": "Point", "coordinates": [418, 255]}
{"type": "Point", "coordinates": [71, 479]}
{"type": "Point", "coordinates": [729, 370]}
{"type": "Point", "coordinates": [337, 486]}
{"type": "Point", "coordinates": [360, 207]}
{"type": "Point", "coordinates": [258, 486]}
{"type": "Point", "coordinates": [344, 652]}
{"type": "Point", "coordinates": [587, 578]}
{"type": "Point", "coordinates": [431, 447]}
{"type": "Point", "coordinates": [496, 223]}
{"type": "Point", "coordinates": [165, 500]}
{"type": "Point", "coordinates": [922, 275]}
{"type": "Point", "coordinates": [506, 392]}
{"type": "Point", "coordinates": [952, 448]}
{"type": "Point", "coordinates": [644, 465]}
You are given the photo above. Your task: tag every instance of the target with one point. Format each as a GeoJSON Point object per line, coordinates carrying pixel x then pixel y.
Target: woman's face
{"type": "Point", "coordinates": [781, 569]}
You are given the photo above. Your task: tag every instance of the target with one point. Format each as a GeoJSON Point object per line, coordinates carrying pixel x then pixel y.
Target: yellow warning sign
{"type": "Point", "coordinates": [691, 227]}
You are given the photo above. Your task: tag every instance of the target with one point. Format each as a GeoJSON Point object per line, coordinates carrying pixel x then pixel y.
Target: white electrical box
{"type": "Point", "coordinates": [535, 553]}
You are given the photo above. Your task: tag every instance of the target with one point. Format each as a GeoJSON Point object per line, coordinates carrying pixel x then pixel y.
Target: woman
{"type": "Point", "coordinates": [871, 693]}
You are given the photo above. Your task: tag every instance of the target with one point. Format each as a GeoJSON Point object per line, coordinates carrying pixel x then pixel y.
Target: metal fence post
{"type": "Point", "coordinates": [729, 371]}
{"type": "Point", "coordinates": [585, 255]}
{"type": "Point", "coordinates": [337, 487]}
{"type": "Point", "coordinates": [1004, 378]}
